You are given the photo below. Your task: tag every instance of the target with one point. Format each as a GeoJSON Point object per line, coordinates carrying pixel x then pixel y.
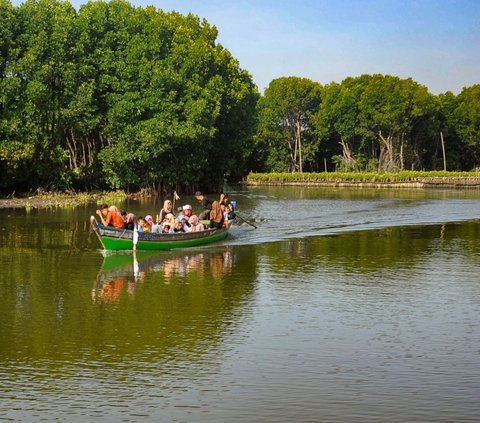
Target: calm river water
{"type": "Point", "coordinates": [343, 306]}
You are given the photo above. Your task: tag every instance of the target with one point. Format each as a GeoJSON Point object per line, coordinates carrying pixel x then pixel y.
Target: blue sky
{"type": "Point", "coordinates": [436, 42]}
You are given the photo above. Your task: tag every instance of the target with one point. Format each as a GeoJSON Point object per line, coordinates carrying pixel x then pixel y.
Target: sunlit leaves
{"type": "Point", "coordinates": [468, 117]}
{"type": "Point", "coordinates": [285, 122]}
{"type": "Point", "coordinates": [147, 95]}
{"type": "Point", "coordinates": [375, 116]}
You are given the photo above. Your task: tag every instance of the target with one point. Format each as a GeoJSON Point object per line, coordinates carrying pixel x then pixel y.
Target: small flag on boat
{"type": "Point", "coordinates": [175, 195]}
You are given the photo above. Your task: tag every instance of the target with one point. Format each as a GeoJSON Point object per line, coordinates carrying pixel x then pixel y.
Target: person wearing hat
{"type": "Point", "coordinates": [180, 214]}
{"type": "Point", "coordinates": [187, 213]}
{"type": "Point", "coordinates": [187, 210]}
{"type": "Point", "coordinates": [206, 206]}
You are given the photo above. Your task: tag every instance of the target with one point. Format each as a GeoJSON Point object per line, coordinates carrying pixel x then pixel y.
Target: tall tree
{"type": "Point", "coordinates": [380, 120]}
{"type": "Point", "coordinates": [467, 115]}
{"type": "Point", "coordinates": [457, 154]}
{"type": "Point", "coordinates": [337, 123]}
{"type": "Point", "coordinates": [285, 113]}
{"type": "Point", "coordinates": [172, 119]}
{"type": "Point", "coordinates": [11, 149]}
{"type": "Point", "coordinates": [120, 95]}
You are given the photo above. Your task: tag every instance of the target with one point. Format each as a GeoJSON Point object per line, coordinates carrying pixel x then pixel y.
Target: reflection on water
{"type": "Point", "coordinates": [123, 272]}
{"type": "Point", "coordinates": [353, 326]}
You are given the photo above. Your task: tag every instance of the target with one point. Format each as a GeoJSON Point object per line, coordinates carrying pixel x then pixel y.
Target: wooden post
{"type": "Point", "coordinates": [325, 163]}
{"type": "Point", "coordinates": [443, 151]}
{"type": "Point", "coordinates": [299, 139]}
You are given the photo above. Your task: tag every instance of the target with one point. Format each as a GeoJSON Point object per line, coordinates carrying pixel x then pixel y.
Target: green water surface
{"type": "Point", "coordinates": [341, 306]}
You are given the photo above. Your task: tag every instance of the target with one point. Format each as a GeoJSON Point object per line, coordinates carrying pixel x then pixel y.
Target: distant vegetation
{"type": "Point", "coordinates": [369, 123]}
{"type": "Point", "coordinates": [120, 97]}
{"type": "Point", "coordinates": [402, 176]}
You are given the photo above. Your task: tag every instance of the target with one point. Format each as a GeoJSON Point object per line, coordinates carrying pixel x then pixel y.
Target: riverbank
{"type": "Point", "coordinates": [56, 199]}
{"type": "Point", "coordinates": [405, 179]}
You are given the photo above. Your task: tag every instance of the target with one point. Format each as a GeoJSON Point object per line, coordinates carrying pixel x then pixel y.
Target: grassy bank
{"type": "Point", "coordinates": [370, 179]}
{"type": "Point", "coordinates": [56, 199]}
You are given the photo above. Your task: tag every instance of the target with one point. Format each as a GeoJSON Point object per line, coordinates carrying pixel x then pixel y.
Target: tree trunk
{"type": "Point", "coordinates": [299, 142]}
{"type": "Point", "coordinates": [347, 159]}
{"type": "Point", "coordinates": [84, 155]}
{"type": "Point", "coordinates": [293, 153]}
{"type": "Point", "coordinates": [401, 153]}
{"type": "Point", "coordinates": [70, 142]}
{"type": "Point", "coordinates": [443, 151]}
{"type": "Point", "coordinates": [387, 158]}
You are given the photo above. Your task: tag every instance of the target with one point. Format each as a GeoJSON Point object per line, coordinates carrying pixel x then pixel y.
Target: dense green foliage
{"type": "Point", "coordinates": [285, 129]}
{"type": "Point", "coordinates": [402, 176]}
{"type": "Point", "coordinates": [371, 123]}
{"type": "Point", "coordinates": [119, 96]}
{"type": "Point", "coordinates": [115, 96]}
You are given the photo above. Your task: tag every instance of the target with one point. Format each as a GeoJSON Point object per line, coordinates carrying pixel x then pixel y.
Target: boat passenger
{"type": "Point", "coordinates": [166, 209]}
{"type": "Point", "coordinates": [195, 224]}
{"type": "Point", "coordinates": [141, 224]}
{"type": "Point", "coordinates": [216, 215]}
{"type": "Point", "coordinates": [228, 205]}
{"type": "Point", "coordinates": [157, 229]}
{"type": "Point", "coordinates": [157, 226]}
{"type": "Point", "coordinates": [110, 216]}
{"type": "Point", "coordinates": [206, 206]}
{"type": "Point", "coordinates": [185, 224]}
{"type": "Point", "coordinates": [178, 227]}
{"type": "Point", "coordinates": [130, 221]}
{"type": "Point", "coordinates": [187, 211]}
{"type": "Point", "coordinates": [169, 220]}
{"type": "Point", "coordinates": [148, 223]}
{"type": "Point", "coordinates": [180, 214]}
{"type": "Point", "coordinates": [225, 201]}
{"type": "Point", "coordinates": [167, 228]}
{"type": "Point", "coordinates": [226, 215]}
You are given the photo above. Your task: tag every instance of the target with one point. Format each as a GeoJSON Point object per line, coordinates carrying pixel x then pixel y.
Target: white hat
{"type": "Point", "coordinates": [187, 207]}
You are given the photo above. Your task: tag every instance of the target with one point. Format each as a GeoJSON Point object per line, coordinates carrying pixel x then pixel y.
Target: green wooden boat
{"type": "Point", "coordinates": [122, 239]}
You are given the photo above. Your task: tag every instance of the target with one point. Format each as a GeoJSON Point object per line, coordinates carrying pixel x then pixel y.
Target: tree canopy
{"type": "Point", "coordinates": [128, 97]}
{"type": "Point", "coordinates": [378, 121]}
{"type": "Point", "coordinates": [371, 122]}
{"type": "Point", "coordinates": [285, 128]}
{"type": "Point", "coordinates": [118, 95]}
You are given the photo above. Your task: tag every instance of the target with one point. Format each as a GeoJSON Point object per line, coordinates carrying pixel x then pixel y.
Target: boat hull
{"type": "Point", "coordinates": [122, 239]}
